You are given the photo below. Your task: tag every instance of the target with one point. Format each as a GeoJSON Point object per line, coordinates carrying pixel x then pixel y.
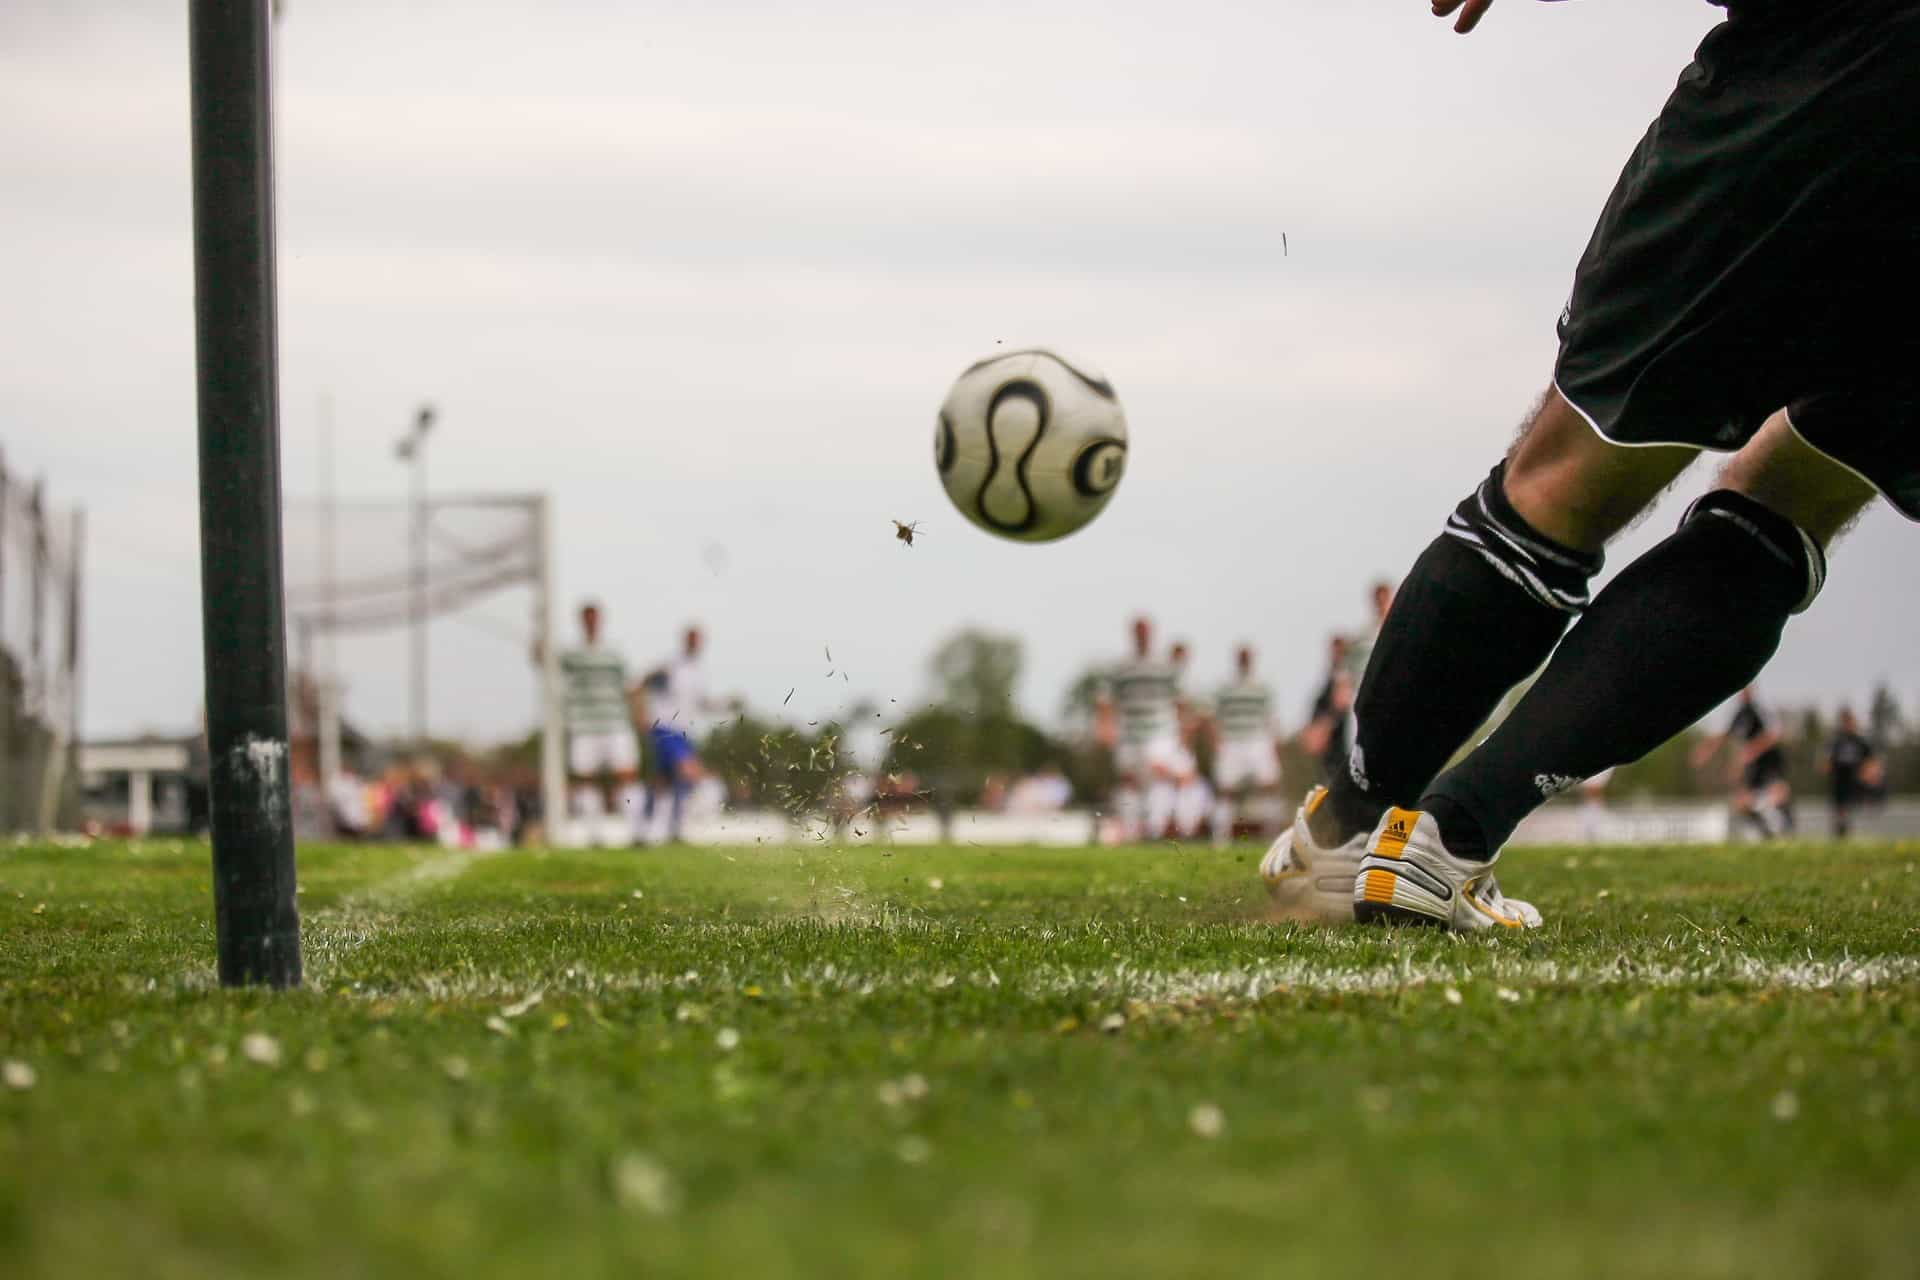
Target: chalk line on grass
{"type": "Point", "coordinates": [1123, 982]}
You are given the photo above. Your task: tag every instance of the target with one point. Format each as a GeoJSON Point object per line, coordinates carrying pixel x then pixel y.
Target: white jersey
{"type": "Point", "coordinates": [594, 690]}
{"type": "Point", "coordinates": [1146, 694]}
{"type": "Point", "coordinates": [1243, 711]}
{"type": "Point", "coordinates": [678, 703]}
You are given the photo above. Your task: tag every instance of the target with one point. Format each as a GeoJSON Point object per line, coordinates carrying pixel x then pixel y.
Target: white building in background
{"type": "Point", "coordinates": [139, 786]}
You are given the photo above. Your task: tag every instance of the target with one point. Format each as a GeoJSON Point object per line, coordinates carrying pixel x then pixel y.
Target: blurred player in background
{"type": "Point", "coordinates": [1593, 806]}
{"type": "Point", "coordinates": [1326, 735]}
{"type": "Point", "coordinates": [1246, 761]}
{"type": "Point", "coordinates": [1761, 793]}
{"type": "Point", "coordinates": [676, 702]}
{"type": "Point", "coordinates": [1360, 647]}
{"type": "Point", "coordinates": [1140, 714]}
{"type": "Point", "coordinates": [1853, 771]}
{"type": "Point", "coordinates": [1192, 796]}
{"type": "Point", "coordinates": [598, 713]}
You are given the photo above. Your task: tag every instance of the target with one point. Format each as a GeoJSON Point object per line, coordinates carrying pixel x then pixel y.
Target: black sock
{"type": "Point", "coordinates": [1682, 629]}
{"type": "Point", "coordinates": [1480, 610]}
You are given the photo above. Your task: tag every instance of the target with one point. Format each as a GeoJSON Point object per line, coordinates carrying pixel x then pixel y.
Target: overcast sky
{"type": "Point", "coordinates": [702, 272]}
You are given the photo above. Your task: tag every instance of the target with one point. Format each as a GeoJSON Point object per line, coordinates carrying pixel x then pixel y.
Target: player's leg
{"type": "Point", "coordinates": [1746, 808]}
{"type": "Point", "coordinates": [1163, 787]}
{"type": "Point", "coordinates": [1682, 629]}
{"type": "Point", "coordinates": [1484, 605]}
{"type": "Point", "coordinates": [1129, 794]}
{"type": "Point", "coordinates": [686, 772]}
{"type": "Point", "coordinates": [1128, 804]}
{"type": "Point", "coordinates": [1227, 791]}
{"type": "Point", "coordinates": [623, 752]}
{"type": "Point", "coordinates": [585, 760]}
{"type": "Point", "coordinates": [1780, 799]}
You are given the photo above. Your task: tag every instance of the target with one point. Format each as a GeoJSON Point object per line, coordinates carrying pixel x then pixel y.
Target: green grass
{"type": "Point", "coordinates": [961, 1062]}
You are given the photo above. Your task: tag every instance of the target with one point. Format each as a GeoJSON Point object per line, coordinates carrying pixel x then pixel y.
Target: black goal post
{"type": "Point", "coordinates": [241, 587]}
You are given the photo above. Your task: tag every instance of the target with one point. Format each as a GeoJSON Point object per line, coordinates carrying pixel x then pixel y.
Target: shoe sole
{"type": "Point", "coordinates": [1381, 895]}
{"type": "Point", "coordinates": [1388, 914]}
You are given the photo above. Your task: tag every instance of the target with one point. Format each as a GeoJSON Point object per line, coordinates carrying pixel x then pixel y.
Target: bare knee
{"type": "Point", "coordinates": [1578, 488]}
{"type": "Point", "coordinates": [1789, 477]}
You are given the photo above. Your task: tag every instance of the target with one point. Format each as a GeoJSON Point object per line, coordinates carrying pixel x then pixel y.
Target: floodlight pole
{"type": "Point", "coordinates": [412, 450]}
{"type": "Point", "coordinates": [241, 572]}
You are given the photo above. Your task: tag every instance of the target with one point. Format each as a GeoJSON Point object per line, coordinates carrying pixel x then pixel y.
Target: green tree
{"type": "Point", "coordinates": [975, 672]}
{"type": "Point", "coordinates": [768, 763]}
{"type": "Point", "coordinates": [972, 729]}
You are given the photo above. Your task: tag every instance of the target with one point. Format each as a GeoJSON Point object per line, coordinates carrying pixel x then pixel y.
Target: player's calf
{"type": "Point", "coordinates": [1679, 631]}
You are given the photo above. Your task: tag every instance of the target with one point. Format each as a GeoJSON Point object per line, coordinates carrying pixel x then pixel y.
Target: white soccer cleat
{"type": "Point", "coordinates": [1306, 881]}
{"type": "Point", "coordinates": [1408, 877]}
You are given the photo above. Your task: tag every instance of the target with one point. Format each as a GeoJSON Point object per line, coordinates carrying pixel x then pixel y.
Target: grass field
{"type": "Point", "coordinates": [965, 1061]}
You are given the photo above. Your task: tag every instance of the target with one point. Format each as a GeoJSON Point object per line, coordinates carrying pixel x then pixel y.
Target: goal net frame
{"type": "Point", "coordinates": [340, 600]}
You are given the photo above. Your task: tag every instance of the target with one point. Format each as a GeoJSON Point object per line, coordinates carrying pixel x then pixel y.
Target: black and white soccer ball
{"type": "Point", "coordinates": [1031, 446]}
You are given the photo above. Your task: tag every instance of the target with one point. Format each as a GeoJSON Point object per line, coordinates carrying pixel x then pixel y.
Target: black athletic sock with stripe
{"type": "Point", "coordinates": [1479, 612]}
{"type": "Point", "coordinates": [1682, 629]}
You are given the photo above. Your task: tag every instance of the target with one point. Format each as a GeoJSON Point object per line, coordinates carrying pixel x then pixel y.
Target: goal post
{"type": "Point", "coordinates": [257, 925]}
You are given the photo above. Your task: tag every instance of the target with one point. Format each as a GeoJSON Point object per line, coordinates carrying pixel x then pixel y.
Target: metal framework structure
{"type": "Point", "coordinates": [368, 566]}
{"type": "Point", "coordinates": [41, 554]}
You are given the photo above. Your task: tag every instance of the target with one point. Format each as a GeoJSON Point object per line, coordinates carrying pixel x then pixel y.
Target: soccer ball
{"type": "Point", "coordinates": [1030, 446]}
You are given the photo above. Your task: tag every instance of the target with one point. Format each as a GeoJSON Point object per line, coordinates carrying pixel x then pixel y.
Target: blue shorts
{"type": "Point", "coordinates": [671, 747]}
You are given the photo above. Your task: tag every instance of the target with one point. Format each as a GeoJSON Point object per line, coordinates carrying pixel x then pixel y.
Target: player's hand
{"type": "Point", "coordinates": [1471, 11]}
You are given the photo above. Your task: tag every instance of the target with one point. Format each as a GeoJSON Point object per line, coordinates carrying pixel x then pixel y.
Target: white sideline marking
{"type": "Point", "coordinates": [337, 932]}
{"type": "Point", "coordinates": [1125, 982]}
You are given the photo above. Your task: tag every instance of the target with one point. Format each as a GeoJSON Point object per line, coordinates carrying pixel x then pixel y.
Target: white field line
{"type": "Point", "coordinates": [331, 935]}
{"type": "Point", "coordinates": [1122, 982]}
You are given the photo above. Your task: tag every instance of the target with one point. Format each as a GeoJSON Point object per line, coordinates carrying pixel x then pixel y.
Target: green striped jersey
{"type": "Point", "coordinates": [594, 691]}
{"type": "Point", "coordinates": [1244, 710]}
{"type": "Point", "coordinates": [1145, 692]}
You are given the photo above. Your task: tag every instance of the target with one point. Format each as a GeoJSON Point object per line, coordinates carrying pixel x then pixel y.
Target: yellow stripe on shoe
{"type": "Point", "coordinates": [1394, 833]}
{"type": "Point", "coordinates": [1473, 900]}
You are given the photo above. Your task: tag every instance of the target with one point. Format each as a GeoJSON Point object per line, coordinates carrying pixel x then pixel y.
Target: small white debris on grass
{"type": "Point", "coordinates": [1452, 995]}
{"type": "Point", "coordinates": [914, 1149]}
{"type": "Point", "coordinates": [261, 1048]}
{"type": "Point", "coordinates": [640, 1182]}
{"type": "Point", "coordinates": [894, 1094]}
{"type": "Point", "coordinates": [520, 1007]}
{"type": "Point", "coordinates": [456, 1068]}
{"type": "Point", "coordinates": [727, 1039]}
{"type": "Point", "coordinates": [936, 883]}
{"type": "Point", "coordinates": [1786, 1105]}
{"type": "Point", "coordinates": [1207, 1121]}
{"type": "Point", "coordinates": [1507, 994]}
{"type": "Point", "coordinates": [1113, 1022]}
{"type": "Point", "coordinates": [499, 1025]}
{"type": "Point", "coordinates": [17, 1075]}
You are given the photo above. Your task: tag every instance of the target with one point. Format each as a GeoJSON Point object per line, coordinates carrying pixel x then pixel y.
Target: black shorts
{"type": "Point", "coordinates": [1761, 250]}
{"type": "Point", "coordinates": [1768, 768]}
